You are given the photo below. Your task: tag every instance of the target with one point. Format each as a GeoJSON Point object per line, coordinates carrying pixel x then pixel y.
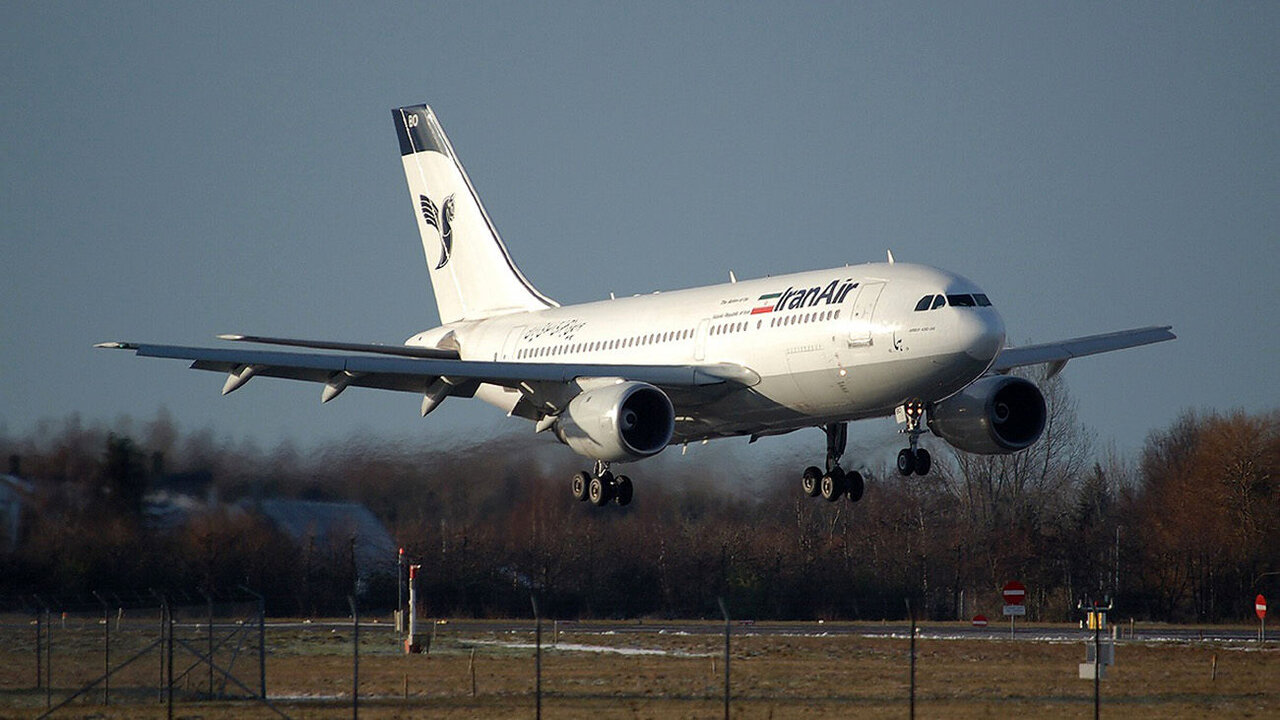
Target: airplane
{"type": "Point", "coordinates": [620, 380]}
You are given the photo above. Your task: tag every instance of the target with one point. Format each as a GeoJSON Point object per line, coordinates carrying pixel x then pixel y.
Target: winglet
{"type": "Point", "coordinates": [117, 346]}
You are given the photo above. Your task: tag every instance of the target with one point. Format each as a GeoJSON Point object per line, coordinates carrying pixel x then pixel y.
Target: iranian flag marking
{"type": "Point", "coordinates": [765, 303]}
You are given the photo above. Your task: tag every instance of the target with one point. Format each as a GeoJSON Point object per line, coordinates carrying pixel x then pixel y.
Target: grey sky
{"type": "Point", "coordinates": [173, 171]}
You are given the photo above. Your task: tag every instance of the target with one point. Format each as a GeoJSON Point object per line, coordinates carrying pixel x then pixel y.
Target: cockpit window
{"type": "Point", "coordinates": [938, 302]}
{"type": "Point", "coordinates": [960, 300]}
{"type": "Point", "coordinates": [982, 300]}
{"type": "Point", "coordinates": [924, 303]}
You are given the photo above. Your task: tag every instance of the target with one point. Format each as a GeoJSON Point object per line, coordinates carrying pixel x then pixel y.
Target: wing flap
{"type": "Point", "coordinates": [400, 350]}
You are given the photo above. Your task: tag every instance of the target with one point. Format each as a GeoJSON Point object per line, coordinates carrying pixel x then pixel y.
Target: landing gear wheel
{"type": "Point", "coordinates": [853, 485]}
{"type": "Point", "coordinates": [832, 486]}
{"type": "Point", "coordinates": [579, 485]}
{"type": "Point", "coordinates": [600, 491]}
{"type": "Point", "coordinates": [923, 462]}
{"type": "Point", "coordinates": [622, 490]}
{"type": "Point", "coordinates": [906, 462]}
{"type": "Point", "coordinates": [810, 481]}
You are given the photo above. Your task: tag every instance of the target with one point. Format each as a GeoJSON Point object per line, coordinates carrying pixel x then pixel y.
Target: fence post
{"type": "Point", "coordinates": [724, 611]}
{"type": "Point", "coordinates": [48, 658]}
{"type": "Point", "coordinates": [169, 661]}
{"type": "Point", "coordinates": [39, 649]}
{"type": "Point", "coordinates": [912, 705]}
{"type": "Point", "coordinates": [355, 659]}
{"type": "Point", "coordinates": [537, 659]}
{"type": "Point", "coordinates": [209, 604]}
{"type": "Point", "coordinates": [106, 649]}
{"type": "Point", "coordinates": [262, 640]}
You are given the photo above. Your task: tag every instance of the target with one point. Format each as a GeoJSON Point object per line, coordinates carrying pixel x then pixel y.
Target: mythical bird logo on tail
{"type": "Point", "coordinates": [441, 219]}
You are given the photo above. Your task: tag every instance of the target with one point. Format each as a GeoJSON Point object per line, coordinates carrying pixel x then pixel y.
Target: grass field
{"type": "Point", "coordinates": [590, 674]}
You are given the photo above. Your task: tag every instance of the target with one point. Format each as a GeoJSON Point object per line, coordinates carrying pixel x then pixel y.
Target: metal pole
{"type": "Point", "coordinates": [725, 611]}
{"type": "Point", "coordinates": [48, 658]}
{"type": "Point", "coordinates": [537, 658]}
{"type": "Point", "coordinates": [912, 684]}
{"type": "Point", "coordinates": [39, 648]}
{"type": "Point", "coordinates": [400, 590]}
{"type": "Point", "coordinates": [169, 612]}
{"type": "Point", "coordinates": [164, 616]}
{"type": "Point", "coordinates": [262, 640]}
{"type": "Point", "coordinates": [1097, 665]}
{"type": "Point", "coordinates": [209, 601]}
{"type": "Point", "coordinates": [106, 649]}
{"type": "Point", "coordinates": [355, 659]}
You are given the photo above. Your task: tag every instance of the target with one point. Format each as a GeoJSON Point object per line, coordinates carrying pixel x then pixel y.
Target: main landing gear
{"type": "Point", "coordinates": [914, 459]}
{"type": "Point", "coordinates": [835, 481]}
{"type": "Point", "coordinates": [601, 486]}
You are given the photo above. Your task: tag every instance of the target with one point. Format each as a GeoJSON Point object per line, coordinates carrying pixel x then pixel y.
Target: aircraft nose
{"type": "Point", "coordinates": [984, 335]}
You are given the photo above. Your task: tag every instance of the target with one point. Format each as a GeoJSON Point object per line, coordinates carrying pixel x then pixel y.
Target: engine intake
{"type": "Point", "coordinates": [996, 415]}
{"type": "Point", "coordinates": [627, 421]}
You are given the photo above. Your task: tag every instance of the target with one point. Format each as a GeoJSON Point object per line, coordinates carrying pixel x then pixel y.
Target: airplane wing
{"type": "Point", "coordinates": [1056, 354]}
{"type": "Point", "coordinates": [434, 377]}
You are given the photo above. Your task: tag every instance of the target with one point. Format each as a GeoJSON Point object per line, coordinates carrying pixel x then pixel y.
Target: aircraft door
{"type": "Point", "coordinates": [509, 347]}
{"type": "Point", "coordinates": [864, 306]}
{"type": "Point", "coordinates": [700, 340]}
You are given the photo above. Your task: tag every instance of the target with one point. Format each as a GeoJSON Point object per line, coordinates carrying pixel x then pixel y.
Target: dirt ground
{"type": "Point", "coordinates": [590, 675]}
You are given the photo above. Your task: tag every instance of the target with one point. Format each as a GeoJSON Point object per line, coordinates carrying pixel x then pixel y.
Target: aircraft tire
{"type": "Point", "coordinates": [578, 485]}
{"type": "Point", "coordinates": [622, 490]}
{"type": "Point", "coordinates": [600, 491]}
{"type": "Point", "coordinates": [832, 486]}
{"type": "Point", "coordinates": [811, 481]}
{"type": "Point", "coordinates": [853, 485]}
{"type": "Point", "coordinates": [924, 462]}
{"type": "Point", "coordinates": [906, 462]}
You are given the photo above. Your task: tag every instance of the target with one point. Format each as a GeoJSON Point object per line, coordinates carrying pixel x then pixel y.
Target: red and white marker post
{"type": "Point", "coordinates": [1015, 594]}
{"type": "Point", "coordinates": [1260, 607]}
{"type": "Point", "coordinates": [411, 644]}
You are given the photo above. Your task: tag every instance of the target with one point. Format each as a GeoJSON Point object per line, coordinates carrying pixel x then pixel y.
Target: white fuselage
{"type": "Point", "coordinates": [828, 345]}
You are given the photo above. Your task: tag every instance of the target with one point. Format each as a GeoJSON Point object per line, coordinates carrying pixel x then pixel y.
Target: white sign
{"type": "Point", "coordinates": [1019, 610]}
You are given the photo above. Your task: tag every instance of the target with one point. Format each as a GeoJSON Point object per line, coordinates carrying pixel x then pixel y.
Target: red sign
{"type": "Point", "coordinates": [1014, 593]}
{"type": "Point", "coordinates": [979, 620]}
{"type": "Point", "coordinates": [1260, 607]}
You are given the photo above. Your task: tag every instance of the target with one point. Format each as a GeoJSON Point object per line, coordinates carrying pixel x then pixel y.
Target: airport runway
{"type": "Point", "coordinates": [997, 630]}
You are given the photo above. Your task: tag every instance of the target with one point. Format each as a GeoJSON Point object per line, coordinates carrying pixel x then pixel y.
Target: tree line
{"type": "Point", "coordinates": [1189, 530]}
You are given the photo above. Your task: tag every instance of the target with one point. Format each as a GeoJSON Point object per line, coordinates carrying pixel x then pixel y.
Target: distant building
{"type": "Point", "coordinates": [174, 498]}
{"type": "Point", "coordinates": [332, 524]}
{"type": "Point", "coordinates": [15, 493]}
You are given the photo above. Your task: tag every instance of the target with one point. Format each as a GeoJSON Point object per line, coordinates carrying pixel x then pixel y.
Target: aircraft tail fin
{"type": "Point", "coordinates": [472, 274]}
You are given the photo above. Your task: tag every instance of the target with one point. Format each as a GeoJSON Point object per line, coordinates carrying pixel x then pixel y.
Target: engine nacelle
{"type": "Point", "coordinates": [627, 421]}
{"type": "Point", "coordinates": [995, 415]}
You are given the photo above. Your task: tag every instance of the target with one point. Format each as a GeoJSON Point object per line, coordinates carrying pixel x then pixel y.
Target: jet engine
{"type": "Point", "coordinates": [996, 415]}
{"type": "Point", "coordinates": [626, 421]}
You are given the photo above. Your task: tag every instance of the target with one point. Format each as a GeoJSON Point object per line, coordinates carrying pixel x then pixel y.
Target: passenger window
{"type": "Point", "coordinates": [981, 300]}
{"type": "Point", "coordinates": [938, 302]}
{"type": "Point", "coordinates": [960, 300]}
{"type": "Point", "coordinates": [924, 303]}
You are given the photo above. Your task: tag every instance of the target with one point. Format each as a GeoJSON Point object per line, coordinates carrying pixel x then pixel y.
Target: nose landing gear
{"type": "Point", "coordinates": [914, 459]}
